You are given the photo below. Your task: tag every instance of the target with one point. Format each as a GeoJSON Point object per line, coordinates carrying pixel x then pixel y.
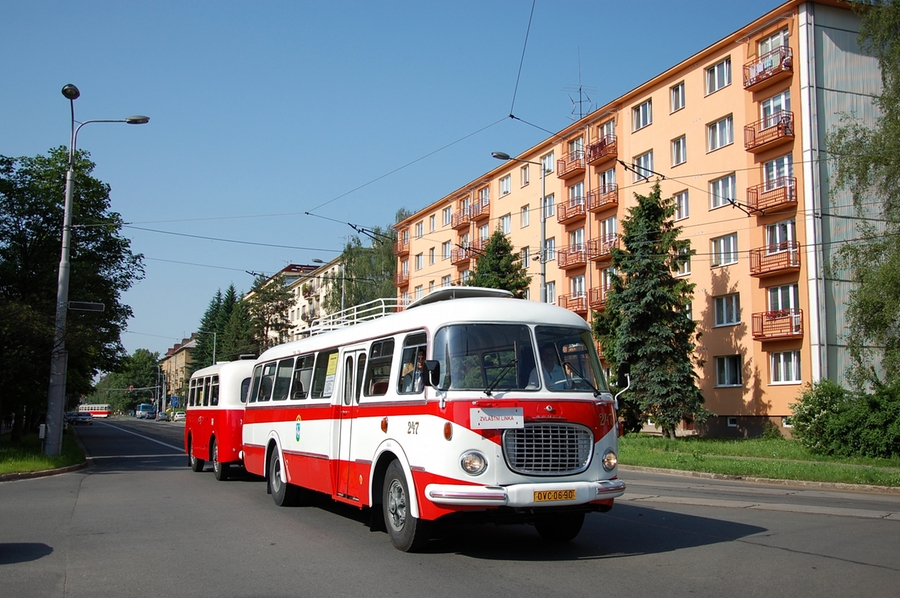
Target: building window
{"type": "Point", "coordinates": [420, 261]}
{"type": "Point", "coordinates": [606, 129]}
{"type": "Point", "coordinates": [547, 163]}
{"type": "Point", "coordinates": [484, 196]}
{"type": "Point", "coordinates": [785, 367]}
{"type": "Point", "coordinates": [418, 293]}
{"type": "Point", "coordinates": [465, 275]}
{"type": "Point", "coordinates": [505, 185]}
{"type": "Point", "coordinates": [445, 281]}
{"type": "Point", "coordinates": [550, 249]}
{"type": "Point", "coordinates": [525, 254]}
{"type": "Point", "coordinates": [684, 263]}
{"type": "Point", "coordinates": [446, 214]}
{"type": "Point", "coordinates": [780, 236]}
{"type": "Point", "coordinates": [718, 76]}
{"type": "Point", "coordinates": [431, 223]}
{"type": "Point", "coordinates": [682, 205]}
{"type": "Point", "coordinates": [576, 194]}
{"type": "Point", "coordinates": [770, 110]}
{"type": "Point", "coordinates": [484, 234]}
{"type": "Point", "coordinates": [642, 115]}
{"type": "Point", "coordinates": [676, 94]}
{"type": "Point", "coordinates": [607, 180]}
{"type": "Point", "coordinates": [404, 268]}
{"type": "Point", "coordinates": [643, 166]}
{"type": "Point", "coordinates": [778, 173]}
{"type": "Point", "coordinates": [431, 256]}
{"type": "Point", "coordinates": [420, 229]}
{"type": "Point", "coordinates": [784, 298]}
{"type": "Point", "coordinates": [446, 248]}
{"type": "Point", "coordinates": [549, 206]}
{"type": "Point", "coordinates": [577, 287]}
{"type": "Point", "coordinates": [728, 370]}
{"type": "Point", "coordinates": [525, 216]}
{"type": "Point", "coordinates": [679, 151]}
{"type": "Point", "coordinates": [720, 133]}
{"type": "Point", "coordinates": [551, 292]}
{"type": "Point", "coordinates": [722, 192]}
{"type": "Point", "coordinates": [505, 223]}
{"type": "Point", "coordinates": [728, 309]}
{"type": "Point", "coordinates": [773, 42]}
{"type": "Point", "coordinates": [724, 250]}
{"type": "Point", "coordinates": [525, 175]}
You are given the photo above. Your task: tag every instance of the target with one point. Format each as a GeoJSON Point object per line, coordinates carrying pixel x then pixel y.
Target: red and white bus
{"type": "Point", "coordinates": [341, 413]}
{"type": "Point", "coordinates": [215, 413]}
{"type": "Point", "coordinates": [95, 409]}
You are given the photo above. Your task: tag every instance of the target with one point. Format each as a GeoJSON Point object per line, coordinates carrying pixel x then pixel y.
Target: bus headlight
{"type": "Point", "coordinates": [610, 460]}
{"type": "Point", "coordinates": [473, 463]}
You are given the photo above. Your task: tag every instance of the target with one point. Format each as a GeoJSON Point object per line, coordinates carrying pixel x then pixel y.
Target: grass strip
{"type": "Point", "coordinates": [27, 456]}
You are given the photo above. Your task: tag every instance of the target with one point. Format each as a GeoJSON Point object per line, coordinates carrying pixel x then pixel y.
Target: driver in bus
{"type": "Point", "coordinates": [554, 375]}
{"type": "Point", "coordinates": [414, 381]}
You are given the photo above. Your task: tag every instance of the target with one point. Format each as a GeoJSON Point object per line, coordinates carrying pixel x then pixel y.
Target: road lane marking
{"type": "Point", "coordinates": [135, 456]}
{"type": "Point", "coordinates": [171, 446]}
{"type": "Point", "coordinates": [759, 506]}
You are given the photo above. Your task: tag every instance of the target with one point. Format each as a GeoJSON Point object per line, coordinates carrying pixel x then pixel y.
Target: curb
{"type": "Point", "coordinates": [25, 475]}
{"type": "Point", "coordinates": [775, 481]}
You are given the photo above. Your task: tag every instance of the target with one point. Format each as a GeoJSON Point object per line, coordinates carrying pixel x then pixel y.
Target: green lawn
{"type": "Point", "coordinates": [776, 459]}
{"type": "Point", "coordinates": [28, 457]}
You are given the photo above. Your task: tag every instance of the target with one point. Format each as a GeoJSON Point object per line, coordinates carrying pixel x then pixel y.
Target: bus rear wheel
{"type": "Point", "coordinates": [284, 494]}
{"type": "Point", "coordinates": [220, 469]}
{"type": "Point", "coordinates": [195, 463]}
{"type": "Point", "coordinates": [559, 527]}
{"type": "Point", "coordinates": [407, 533]}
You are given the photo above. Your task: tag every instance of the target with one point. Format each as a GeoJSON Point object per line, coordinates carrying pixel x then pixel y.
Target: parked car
{"type": "Point", "coordinates": [179, 416]}
{"type": "Point", "coordinates": [70, 416]}
{"type": "Point", "coordinates": [84, 418]}
{"type": "Point", "coordinates": [162, 416]}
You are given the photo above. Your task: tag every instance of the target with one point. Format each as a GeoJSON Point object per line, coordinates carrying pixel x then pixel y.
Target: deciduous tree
{"type": "Point", "coordinates": [499, 266]}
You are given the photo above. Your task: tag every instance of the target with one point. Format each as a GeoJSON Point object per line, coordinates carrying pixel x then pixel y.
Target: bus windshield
{"type": "Point", "coordinates": [502, 357]}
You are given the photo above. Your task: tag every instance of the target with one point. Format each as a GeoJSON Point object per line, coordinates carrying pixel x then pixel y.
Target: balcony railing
{"type": "Point", "coordinates": [605, 196]}
{"type": "Point", "coordinates": [775, 259]}
{"type": "Point", "coordinates": [571, 164]}
{"type": "Point", "coordinates": [570, 210]}
{"type": "Point", "coordinates": [773, 66]}
{"type": "Point", "coordinates": [460, 255]}
{"type": "Point", "coordinates": [479, 210]}
{"type": "Point", "coordinates": [601, 248]}
{"type": "Point", "coordinates": [777, 193]}
{"type": "Point", "coordinates": [778, 324]}
{"type": "Point", "coordinates": [461, 219]}
{"type": "Point", "coordinates": [571, 256]}
{"type": "Point", "coordinates": [575, 302]}
{"type": "Point", "coordinates": [597, 298]}
{"type": "Point", "coordinates": [401, 247]}
{"type": "Point", "coordinates": [605, 148]}
{"type": "Point", "coordinates": [401, 279]}
{"type": "Point", "coordinates": [776, 128]}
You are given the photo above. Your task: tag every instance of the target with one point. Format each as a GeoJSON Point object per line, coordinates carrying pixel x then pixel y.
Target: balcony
{"type": "Point", "coordinates": [597, 298]}
{"type": "Point", "coordinates": [570, 211]}
{"type": "Point", "coordinates": [775, 259]}
{"type": "Point", "coordinates": [460, 219]}
{"type": "Point", "coordinates": [778, 193]}
{"type": "Point", "coordinates": [461, 255]}
{"type": "Point", "coordinates": [600, 249]}
{"type": "Point", "coordinates": [770, 131]}
{"type": "Point", "coordinates": [576, 303]}
{"type": "Point", "coordinates": [401, 279]}
{"type": "Point", "coordinates": [571, 256]}
{"type": "Point", "coordinates": [605, 196]}
{"type": "Point", "coordinates": [778, 324]}
{"type": "Point", "coordinates": [479, 211]}
{"type": "Point", "coordinates": [571, 164]}
{"type": "Point", "coordinates": [768, 68]}
{"type": "Point", "coordinates": [401, 247]}
{"type": "Point", "coordinates": [605, 148]}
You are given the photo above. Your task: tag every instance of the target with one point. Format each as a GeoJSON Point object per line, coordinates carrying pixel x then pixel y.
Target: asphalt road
{"type": "Point", "coordinates": [138, 522]}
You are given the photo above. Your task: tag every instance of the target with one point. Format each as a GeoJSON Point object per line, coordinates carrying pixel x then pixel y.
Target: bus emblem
{"type": "Point", "coordinates": [297, 436]}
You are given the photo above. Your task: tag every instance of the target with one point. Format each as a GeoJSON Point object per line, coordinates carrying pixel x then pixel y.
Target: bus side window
{"type": "Point", "coordinates": [245, 388]}
{"type": "Point", "coordinates": [283, 379]}
{"type": "Point", "coordinates": [302, 376]}
{"type": "Point", "coordinates": [204, 392]}
{"type": "Point", "coordinates": [265, 383]}
{"type": "Point", "coordinates": [192, 393]}
{"type": "Point", "coordinates": [214, 391]}
{"type": "Point", "coordinates": [378, 374]}
{"type": "Point", "coordinates": [323, 374]}
{"type": "Point", "coordinates": [254, 389]}
{"type": "Point", "coordinates": [412, 373]}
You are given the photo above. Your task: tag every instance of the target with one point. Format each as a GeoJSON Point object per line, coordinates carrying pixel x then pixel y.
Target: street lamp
{"type": "Point", "coordinates": [56, 396]}
{"type": "Point", "coordinates": [506, 157]}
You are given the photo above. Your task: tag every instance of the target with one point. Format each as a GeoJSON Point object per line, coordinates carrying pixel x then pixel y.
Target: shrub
{"type": "Point", "coordinates": [830, 420]}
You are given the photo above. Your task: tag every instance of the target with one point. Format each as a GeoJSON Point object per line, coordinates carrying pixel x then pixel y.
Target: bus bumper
{"type": "Point", "coordinates": [525, 495]}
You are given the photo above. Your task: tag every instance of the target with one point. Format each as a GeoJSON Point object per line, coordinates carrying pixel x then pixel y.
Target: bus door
{"type": "Point", "coordinates": [354, 367]}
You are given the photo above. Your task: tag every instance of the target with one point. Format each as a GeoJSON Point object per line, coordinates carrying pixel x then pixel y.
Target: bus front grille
{"type": "Point", "coordinates": [548, 449]}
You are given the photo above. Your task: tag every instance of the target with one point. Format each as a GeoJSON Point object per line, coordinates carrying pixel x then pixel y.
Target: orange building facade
{"type": "Point", "coordinates": [733, 134]}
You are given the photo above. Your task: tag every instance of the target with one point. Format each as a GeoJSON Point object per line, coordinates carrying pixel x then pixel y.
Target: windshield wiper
{"type": "Point", "coordinates": [578, 374]}
{"type": "Point", "coordinates": [499, 377]}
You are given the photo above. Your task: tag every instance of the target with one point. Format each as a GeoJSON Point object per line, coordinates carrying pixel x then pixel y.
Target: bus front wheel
{"type": "Point", "coordinates": [407, 533]}
{"type": "Point", "coordinates": [284, 494]}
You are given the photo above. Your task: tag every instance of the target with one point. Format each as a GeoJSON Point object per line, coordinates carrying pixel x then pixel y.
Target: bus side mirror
{"type": "Point", "coordinates": [433, 367]}
{"type": "Point", "coordinates": [623, 373]}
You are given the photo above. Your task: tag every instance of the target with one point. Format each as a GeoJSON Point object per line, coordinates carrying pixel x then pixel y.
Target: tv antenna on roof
{"type": "Point", "coordinates": [583, 97]}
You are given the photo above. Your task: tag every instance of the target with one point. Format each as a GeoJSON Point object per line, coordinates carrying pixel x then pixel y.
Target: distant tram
{"type": "Point", "coordinates": [95, 409]}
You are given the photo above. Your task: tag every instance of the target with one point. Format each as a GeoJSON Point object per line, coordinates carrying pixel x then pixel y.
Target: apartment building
{"type": "Point", "coordinates": [734, 134]}
{"type": "Point", "coordinates": [175, 368]}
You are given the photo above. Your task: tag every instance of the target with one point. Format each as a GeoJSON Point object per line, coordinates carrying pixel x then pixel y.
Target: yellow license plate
{"type": "Point", "coordinates": [553, 495]}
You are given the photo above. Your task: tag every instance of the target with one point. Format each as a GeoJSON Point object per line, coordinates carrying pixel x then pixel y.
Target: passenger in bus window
{"type": "Point", "coordinates": [414, 381]}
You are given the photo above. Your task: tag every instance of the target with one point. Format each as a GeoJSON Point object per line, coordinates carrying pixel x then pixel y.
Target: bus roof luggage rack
{"type": "Point", "coordinates": [447, 293]}
{"type": "Point", "coordinates": [371, 310]}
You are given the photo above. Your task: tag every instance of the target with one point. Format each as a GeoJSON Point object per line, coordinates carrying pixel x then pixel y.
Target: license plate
{"type": "Point", "coordinates": [553, 495]}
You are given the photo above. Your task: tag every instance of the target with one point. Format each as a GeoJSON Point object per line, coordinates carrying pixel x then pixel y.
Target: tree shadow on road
{"type": "Point", "coordinates": [23, 552]}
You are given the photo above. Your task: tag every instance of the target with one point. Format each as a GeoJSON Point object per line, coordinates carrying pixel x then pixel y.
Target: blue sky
{"type": "Point", "coordinates": [262, 111]}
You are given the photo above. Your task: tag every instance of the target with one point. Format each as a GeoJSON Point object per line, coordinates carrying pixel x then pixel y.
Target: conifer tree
{"type": "Point", "coordinates": [646, 321]}
{"type": "Point", "coordinates": [498, 266]}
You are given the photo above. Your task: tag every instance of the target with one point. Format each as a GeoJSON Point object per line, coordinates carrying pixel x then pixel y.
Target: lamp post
{"type": "Point", "coordinates": [56, 396]}
{"type": "Point", "coordinates": [212, 332]}
{"type": "Point", "coordinates": [542, 255]}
